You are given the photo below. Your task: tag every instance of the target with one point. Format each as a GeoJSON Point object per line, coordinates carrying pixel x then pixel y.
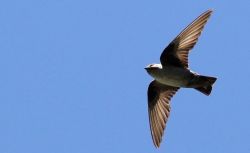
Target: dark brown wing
{"type": "Point", "coordinates": [176, 53]}
{"type": "Point", "coordinates": [159, 97]}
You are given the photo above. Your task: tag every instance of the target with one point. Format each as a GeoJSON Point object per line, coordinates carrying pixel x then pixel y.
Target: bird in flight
{"type": "Point", "coordinates": [173, 73]}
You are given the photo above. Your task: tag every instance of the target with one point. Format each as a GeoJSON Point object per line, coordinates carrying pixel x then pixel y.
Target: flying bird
{"type": "Point", "coordinates": [172, 74]}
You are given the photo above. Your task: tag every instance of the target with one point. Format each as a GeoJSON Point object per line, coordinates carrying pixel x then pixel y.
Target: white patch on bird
{"type": "Point", "coordinates": [155, 65]}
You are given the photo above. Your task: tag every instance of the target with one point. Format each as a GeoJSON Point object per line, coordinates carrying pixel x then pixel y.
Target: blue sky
{"type": "Point", "coordinates": [73, 80]}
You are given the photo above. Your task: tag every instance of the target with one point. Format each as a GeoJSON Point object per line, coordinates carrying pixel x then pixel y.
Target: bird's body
{"type": "Point", "coordinates": [172, 74]}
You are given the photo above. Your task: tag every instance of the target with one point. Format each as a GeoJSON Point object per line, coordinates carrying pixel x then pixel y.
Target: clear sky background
{"type": "Point", "coordinates": [73, 80]}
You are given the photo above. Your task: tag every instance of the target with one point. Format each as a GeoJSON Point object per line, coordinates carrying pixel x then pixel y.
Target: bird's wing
{"type": "Point", "coordinates": [176, 53]}
{"type": "Point", "coordinates": [159, 97]}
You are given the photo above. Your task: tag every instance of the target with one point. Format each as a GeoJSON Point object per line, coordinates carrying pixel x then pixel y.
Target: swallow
{"type": "Point", "coordinates": [172, 74]}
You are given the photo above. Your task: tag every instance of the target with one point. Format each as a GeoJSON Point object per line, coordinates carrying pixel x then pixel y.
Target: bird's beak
{"type": "Point", "coordinates": [146, 68]}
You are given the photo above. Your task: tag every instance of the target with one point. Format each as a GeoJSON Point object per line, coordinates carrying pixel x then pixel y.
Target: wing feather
{"type": "Point", "coordinates": [159, 97]}
{"type": "Point", "coordinates": [176, 53]}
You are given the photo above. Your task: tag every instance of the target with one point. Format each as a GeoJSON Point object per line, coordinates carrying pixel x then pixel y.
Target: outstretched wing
{"type": "Point", "coordinates": [176, 53]}
{"type": "Point", "coordinates": [159, 97]}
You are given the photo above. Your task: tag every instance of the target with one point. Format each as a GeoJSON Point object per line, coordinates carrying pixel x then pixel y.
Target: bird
{"type": "Point", "coordinates": [172, 74]}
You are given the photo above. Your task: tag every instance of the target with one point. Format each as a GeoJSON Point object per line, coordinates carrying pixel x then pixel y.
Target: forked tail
{"type": "Point", "coordinates": [207, 84]}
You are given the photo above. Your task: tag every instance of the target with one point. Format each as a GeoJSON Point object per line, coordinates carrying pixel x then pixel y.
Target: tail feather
{"type": "Point", "coordinates": [208, 83]}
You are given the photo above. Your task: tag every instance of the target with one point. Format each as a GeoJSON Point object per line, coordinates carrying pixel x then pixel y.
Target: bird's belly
{"type": "Point", "coordinates": [172, 81]}
{"type": "Point", "coordinates": [174, 77]}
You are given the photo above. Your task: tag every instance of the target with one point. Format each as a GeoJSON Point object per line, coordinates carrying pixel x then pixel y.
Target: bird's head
{"type": "Point", "coordinates": [151, 68]}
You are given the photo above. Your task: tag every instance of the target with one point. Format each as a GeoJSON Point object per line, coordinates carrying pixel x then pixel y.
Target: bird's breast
{"type": "Point", "coordinates": [173, 76]}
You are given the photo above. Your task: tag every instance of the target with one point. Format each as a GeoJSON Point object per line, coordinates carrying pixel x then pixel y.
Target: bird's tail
{"type": "Point", "coordinates": [207, 83]}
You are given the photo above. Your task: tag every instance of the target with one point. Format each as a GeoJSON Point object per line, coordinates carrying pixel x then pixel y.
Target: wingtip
{"type": "Point", "coordinates": [210, 11]}
{"type": "Point", "coordinates": [157, 146]}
